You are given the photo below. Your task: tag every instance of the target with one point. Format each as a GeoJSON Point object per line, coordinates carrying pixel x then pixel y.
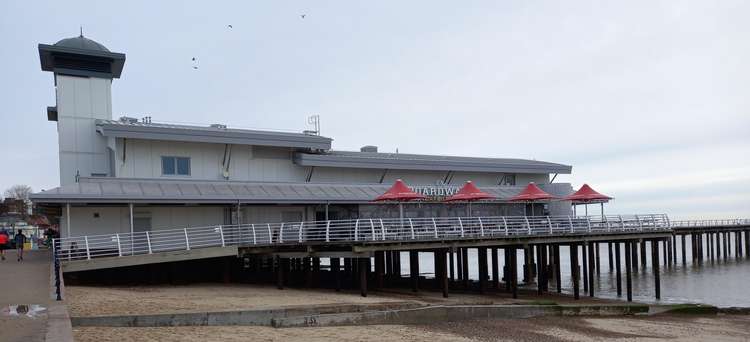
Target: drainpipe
{"type": "Point", "coordinates": [130, 206]}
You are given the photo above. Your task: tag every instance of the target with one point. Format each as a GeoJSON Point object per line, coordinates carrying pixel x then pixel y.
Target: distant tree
{"type": "Point", "coordinates": [21, 193]}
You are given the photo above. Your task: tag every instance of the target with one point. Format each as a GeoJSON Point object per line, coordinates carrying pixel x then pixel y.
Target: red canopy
{"type": "Point", "coordinates": [399, 192]}
{"type": "Point", "coordinates": [469, 192]}
{"type": "Point", "coordinates": [531, 193]}
{"type": "Point", "coordinates": [587, 194]}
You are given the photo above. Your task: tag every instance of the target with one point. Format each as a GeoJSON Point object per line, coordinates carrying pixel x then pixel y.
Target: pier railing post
{"type": "Point", "coordinates": [382, 230]}
{"type": "Point", "coordinates": [148, 242]}
{"type": "Point", "coordinates": [528, 225]}
{"type": "Point", "coordinates": [481, 227]}
{"type": "Point", "coordinates": [434, 226]}
{"type": "Point", "coordinates": [549, 222]}
{"type": "Point", "coordinates": [356, 230]}
{"type": "Point", "coordinates": [255, 241]}
{"type": "Point", "coordinates": [411, 226]}
{"type": "Point", "coordinates": [187, 240]}
{"type": "Point", "coordinates": [372, 229]}
{"type": "Point", "coordinates": [570, 223]}
{"type": "Point", "coordinates": [88, 253]}
{"type": "Point", "coordinates": [299, 234]}
{"type": "Point", "coordinates": [119, 246]}
{"type": "Point", "coordinates": [588, 223]}
{"type": "Point", "coordinates": [460, 224]}
{"type": "Point", "coordinates": [270, 234]}
{"type": "Point", "coordinates": [328, 231]}
{"type": "Point", "coordinates": [505, 224]}
{"type": "Point", "coordinates": [281, 233]}
{"type": "Point", "coordinates": [221, 235]}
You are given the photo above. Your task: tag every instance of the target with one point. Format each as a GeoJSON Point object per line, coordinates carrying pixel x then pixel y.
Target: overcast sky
{"type": "Point", "coordinates": [648, 100]}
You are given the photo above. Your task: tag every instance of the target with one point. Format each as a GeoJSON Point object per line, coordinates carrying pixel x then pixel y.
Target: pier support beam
{"type": "Point", "coordinates": [609, 256]}
{"type": "Point", "coordinates": [507, 268]}
{"type": "Point", "coordinates": [279, 273]}
{"type": "Point", "coordinates": [596, 248]}
{"type": "Point", "coordinates": [442, 270]}
{"type": "Point", "coordinates": [482, 264]}
{"type": "Point", "coordinates": [363, 270]}
{"type": "Point", "coordinates": [380, 265]}
{"type": "Point", "coordinates": [451, 265]}
{"type": "Point", "coordinates": [655, 266]}
{"type": "Point", "coordinates": [684, 258]}
{"type": "Point", "coordinates": [414, 270]}
{"type": "Point", "coordinates": [618, 275]}
{"type": "Point", "coordinates": [591, 266]}
{"type": "Point", "coordinates": [558, 278]}
{"type": "Point", "coordinates": [495, 269]}
{"type": "Point", "coordinates": [465, 267]}
{"type": "Point", "coordinates": [574, 270]}
{"type": "Point", "coordinates": [336, 270]}
{"type": "Point", "coordinates": [585, 265]}
{"type": "Point", "coordinates": [514, 272]}
{"type": "Point", "coordinates": [628, 271]}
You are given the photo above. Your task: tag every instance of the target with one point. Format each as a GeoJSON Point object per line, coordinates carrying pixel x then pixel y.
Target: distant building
{"type": "Point", "coordinates": [13, 206]}
{"type": "Point", "coordinates": [123, 174]}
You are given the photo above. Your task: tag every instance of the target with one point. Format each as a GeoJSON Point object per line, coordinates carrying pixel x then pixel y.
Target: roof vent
{"type": "Point", "coordinates": [128, 120]}
{"type": "Point", "coordinates": [369, 148]}
{"type": "Point", "coordinates": [219, 126]}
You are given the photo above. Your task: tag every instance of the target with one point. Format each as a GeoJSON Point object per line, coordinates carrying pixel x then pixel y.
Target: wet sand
{"type": "Point", "coordinates": [107, 301]}
{"type": "Point", "coordinates": [682, 328]}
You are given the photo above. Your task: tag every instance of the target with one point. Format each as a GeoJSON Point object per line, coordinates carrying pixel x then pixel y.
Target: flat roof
{"type": "Point", "coordinates": [128, 190]}
{"type": "Point", "coordinates": [173, 132]}
{"type": "Point", "coordinates": [403, 161]}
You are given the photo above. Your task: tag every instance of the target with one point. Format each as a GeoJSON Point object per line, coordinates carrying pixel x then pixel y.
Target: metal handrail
{"type": "Point", "coordinates": [709, 223]}
{"type": "Point", "coordinates": [348, 231]}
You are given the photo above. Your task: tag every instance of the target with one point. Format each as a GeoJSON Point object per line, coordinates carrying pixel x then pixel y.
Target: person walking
{"type": "Point", "coordinates": [20, 239]}
{"type": "Point", "coordinates": [3, 243]}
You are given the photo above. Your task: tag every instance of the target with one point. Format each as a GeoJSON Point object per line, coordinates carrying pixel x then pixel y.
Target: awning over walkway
{"type": "Point", "coordinates": [120, 190]}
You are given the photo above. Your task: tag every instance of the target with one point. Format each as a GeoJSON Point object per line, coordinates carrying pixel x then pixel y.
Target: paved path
{"type": "Point", "coordinates": [26, 282]}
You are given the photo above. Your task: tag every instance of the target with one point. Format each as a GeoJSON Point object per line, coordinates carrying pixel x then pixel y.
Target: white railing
{"type": "Point", "coordinates": [348, 231]}
{"type": "Point", "coordinates": [709, 223]}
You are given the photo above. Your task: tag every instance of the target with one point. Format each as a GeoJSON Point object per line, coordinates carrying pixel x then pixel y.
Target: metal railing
{"type": "Point", "coordinates": [710, 223]}
{"type": "Point", "coordinates": [348, 232]}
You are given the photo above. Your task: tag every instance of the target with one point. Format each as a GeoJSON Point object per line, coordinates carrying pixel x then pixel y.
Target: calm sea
{"type": "Point", "coordinates": [722, 283]}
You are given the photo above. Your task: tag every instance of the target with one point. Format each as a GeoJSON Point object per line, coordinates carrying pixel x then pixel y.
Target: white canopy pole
{"type": "Point", "coordinates": [67, 218]}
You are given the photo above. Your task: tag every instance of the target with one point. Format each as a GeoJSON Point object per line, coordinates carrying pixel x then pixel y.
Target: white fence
{"type": "Point", "coordinates": [709, 223]}
{"type": "Point", "coordinates": [348, 232]}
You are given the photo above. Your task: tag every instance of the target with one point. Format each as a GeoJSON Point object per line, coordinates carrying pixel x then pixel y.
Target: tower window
{"type": "Point", "coordinates": [175, 166]}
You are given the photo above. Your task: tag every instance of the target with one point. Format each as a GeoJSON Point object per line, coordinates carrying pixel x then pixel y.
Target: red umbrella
{"type": "Point", "coordinates": [401, 193]}
{"type": "Point", "coordinates": [587, 195]}
{"type": "Point", "coordinates": [531, 194]}
{"type": "Point", "coordinates": [469, 192]}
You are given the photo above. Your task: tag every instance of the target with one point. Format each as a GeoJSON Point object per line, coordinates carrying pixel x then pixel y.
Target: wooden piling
{"type": "Point", "coordinates": [482, 264]}
{"type": "Point", "coordinates": [596, 248]}
{"type": "Point", "coordinates": [591, 266]}
{"type": "Point", "coordinates": [414, 270]}
{"type": "Point", "coordinates": [618, 275]}
{"type": "Point", "coordinates": [585, 262]}
{"type": "Point", "coordinates": [495, 269]}
{"type": "Point", "coordinates": [628, 272]}
{"type": "Point", "coordinates": [655, 267]}
{"type": "Point", "coordinates": [514, 271]}
{"type": "Point", "coordinates": [507, 268]}
{"type": "Point", "coordinates": [558, 278]}
{"type": "Point", "coordinates": [279, 274]}
{"type": "Point", "coordinates": [609, 256]}
{"type": "Point", "coordinates": [539, 271]}
{"type": "Point", "coordinates": [459, 264]}
{"type": "Point", "coordinates": [363, 270]}
{"type": "Point", "coordinates": [381, 258]}
{"type": "Point", "coordinates": [684, 257]}
{"type": "Point", "coordinates": [336, 270]}
{"type": "Point", "coordinates": [443, 271]}
{"type": "Point", "coordinates": [574, 270]}
{"type": "Point", "coordinates": [465, 268]}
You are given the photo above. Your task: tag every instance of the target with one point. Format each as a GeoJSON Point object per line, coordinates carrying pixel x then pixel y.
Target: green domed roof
{"type": "Point", "coordinates": [81, 42]}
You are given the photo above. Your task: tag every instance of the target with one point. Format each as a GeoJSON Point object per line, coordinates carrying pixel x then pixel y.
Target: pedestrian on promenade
{"type": "Point", "coordinates": [3, 243]}
{"type": "Point", "coordinates": [20, 240]}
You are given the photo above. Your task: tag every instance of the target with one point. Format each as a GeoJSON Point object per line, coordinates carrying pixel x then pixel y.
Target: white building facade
{"type": "Point", "coordinates": [118, 175]}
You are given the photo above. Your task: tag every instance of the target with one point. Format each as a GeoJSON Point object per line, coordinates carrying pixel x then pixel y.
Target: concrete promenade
{"type": "Point", "coordinates": [28, 283]}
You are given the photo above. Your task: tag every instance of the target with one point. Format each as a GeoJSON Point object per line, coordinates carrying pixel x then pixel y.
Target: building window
{"type": "Point", "coordinates": [175, 166]}
{"type": "Point", "coordinates": [508, 180]}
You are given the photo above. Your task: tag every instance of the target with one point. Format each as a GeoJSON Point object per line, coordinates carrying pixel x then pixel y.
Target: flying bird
{"type": "Point", "coordinates": [193, 59]}
{"type": "Point", "coordinates": [230, 26]}
{"type": "Point", "coordinates": [303, 16]}
{"type": "Point", "coordinates": [195, 67]}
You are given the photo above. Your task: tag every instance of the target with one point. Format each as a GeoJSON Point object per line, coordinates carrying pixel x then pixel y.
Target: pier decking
{"type": "Point", "coordinates": [282, 248]}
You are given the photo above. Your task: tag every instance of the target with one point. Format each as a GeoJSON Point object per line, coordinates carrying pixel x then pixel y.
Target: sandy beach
{"type": "Point", "coordinates": [683, 328]}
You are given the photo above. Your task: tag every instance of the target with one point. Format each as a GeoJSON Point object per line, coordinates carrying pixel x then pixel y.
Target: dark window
{"type": "Point", "coordinates": [175, 166]}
